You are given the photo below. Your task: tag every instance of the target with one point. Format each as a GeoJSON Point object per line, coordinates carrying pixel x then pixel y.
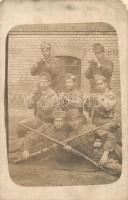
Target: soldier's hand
{"type": "Point", "coordinates": [25, 155]}
{"type": "Point", "coordinates": [67, 148]}
{"type": "Point", "coordinates": [104, 159]}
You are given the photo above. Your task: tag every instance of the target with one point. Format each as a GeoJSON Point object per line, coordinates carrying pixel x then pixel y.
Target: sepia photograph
{"type": "Point", "coordinates": [63, 104]}
{"type": "Point", "coordinates": [64, 100]}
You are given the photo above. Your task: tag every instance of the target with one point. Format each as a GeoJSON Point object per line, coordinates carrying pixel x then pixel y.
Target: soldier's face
{"type": "Point", "coordinates": [45, 53]}
{"type": "Point", "coordinates": [44, 84]}
{"type": "Point", "coordinates": [75, 123]}
{"type": "Point", "coordinates": [59, 123]}
{"type": "Point", "coordinates": [100, 56]}
{"type": "Point", "coordinates": [69, 84]}
{"type": "Point", "coordinates": [100, 86]}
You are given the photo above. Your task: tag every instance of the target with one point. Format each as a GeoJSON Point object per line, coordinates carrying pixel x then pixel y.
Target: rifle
{"type": "Point", "coordinates": [87, 133]}
{"type": "Point", "coordinates": [65, 146]}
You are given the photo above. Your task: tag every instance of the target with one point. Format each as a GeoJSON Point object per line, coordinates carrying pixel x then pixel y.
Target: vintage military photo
{"type": "Point", "coordinates": [63, 104]}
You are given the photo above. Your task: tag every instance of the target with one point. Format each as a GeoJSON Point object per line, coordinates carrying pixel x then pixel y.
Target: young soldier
{"type": "Point", "coordinates": [104, 66]}
{"type": "Point", "coordinates": [100, 145]}
{"type": "Point", "coordinates": [50, 65]}
{"type": "Point", "coordinates": [101, 104]}
{"type": "Point", "coordinates": [44, 101]}
{"type": "Point", "coordinates": [44, 64]}
{"type": "Point", "coordinates": [71, 98]}
{"type": "Point", "coordinates": [57, 130]}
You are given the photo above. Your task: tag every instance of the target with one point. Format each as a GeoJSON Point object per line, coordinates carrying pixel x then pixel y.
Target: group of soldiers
{"type": "Point", "coordinates": [68, 113]}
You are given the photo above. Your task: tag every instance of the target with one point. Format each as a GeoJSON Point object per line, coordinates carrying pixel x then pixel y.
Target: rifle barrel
{"type": "Point", "coordinates": [73, 150]}
{"type": "Point", "coordinates": [65, 141]}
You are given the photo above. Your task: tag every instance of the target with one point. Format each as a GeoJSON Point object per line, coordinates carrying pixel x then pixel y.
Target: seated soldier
{"type": "Point", "coordinates": [44, 101]}
{"type": "Point", "coordinates": [57, 130]}
{"type": "Point", "coordinates": [71, 98]}
{"type": "Point", "coordinates": [99, 146]}
{"type": "Point", "coordinates": [101, 105]}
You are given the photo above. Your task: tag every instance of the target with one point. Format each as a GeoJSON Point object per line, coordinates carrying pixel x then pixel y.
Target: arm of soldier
{"type": "Point", "coordinates": [107, 69]}
{"type": "Point", "coordinates": [30, 139]}
{"type": "Point", "coordinates": [108, 146]}
{"type": "Point", "coordinates": [36, 69]}
{"type": "Point", "coordinates": [89, 72]}
{"type": "Point", "coordinates": [33, 98]}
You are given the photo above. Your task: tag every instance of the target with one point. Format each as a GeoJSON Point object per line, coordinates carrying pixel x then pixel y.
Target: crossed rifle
{"type": "Point", "coordinates": [65, 146]}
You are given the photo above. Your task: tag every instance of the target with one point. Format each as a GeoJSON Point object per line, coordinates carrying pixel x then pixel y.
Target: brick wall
{"type": "Point", "coordinates": [75, 40]}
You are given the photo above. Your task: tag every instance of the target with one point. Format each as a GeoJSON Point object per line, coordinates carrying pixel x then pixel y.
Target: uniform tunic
{"type": "Point", "coordinates": [71, 99]}
{"type": "Point", "coordinates": [102, 106]}
{"type": "Point", "coordinates": [45, 103]}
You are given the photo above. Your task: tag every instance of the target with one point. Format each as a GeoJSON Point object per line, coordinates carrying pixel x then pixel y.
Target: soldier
{"type": "Point", "coordinates": [50, 65]}
{"type": "Point", "coordinates": [57, 130]}
{"type": "Point", "coordinates": [100, 145]}
{"type": "Point", "coordinates": [71, 98]}
{"type": "Point", "coordinates": [44, 64]}
{"type": "Point", "coordinates": [104, 66]}
{"type": "Point", "coordinates": [101, 104]}
{"type": "Point", "coordinates": [44, 101]}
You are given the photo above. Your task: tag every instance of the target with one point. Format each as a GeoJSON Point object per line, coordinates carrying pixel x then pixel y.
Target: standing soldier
{"type": "Point", "coordinates": [44, 64]}
{"type": "Point", "coordinates": [44, 99]}
{"type": "Point", "coordinates": [104, 66]}
{"type": "Point", "coordinates": [50, 65]}
{"type": "Point", "coordinates": [71, 98]}
{"type": "Point", "coordinates": [99, 146]}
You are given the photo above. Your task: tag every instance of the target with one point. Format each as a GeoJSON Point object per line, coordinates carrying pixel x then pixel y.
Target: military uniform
{"type": "Point", "coordinates": [52, 66]}
{"type": "Point", "coordinates": [105, 67]}
{"type": "Point", "coordinates": [71, 99]}
{"type": "Point", "coordinates": [44, 64]}
{"type": "Point", "coordinates": [103, 111]}
{"type": "Point", "coordinates": [95, 144]}
{"type": "Point", "coordinates": [45, 102]}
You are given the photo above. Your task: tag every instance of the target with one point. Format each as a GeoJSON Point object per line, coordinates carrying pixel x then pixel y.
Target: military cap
{"type": "Point", "coordinates": [98, 77]}
{"type": "Point", "coordinates": [45, 76]}
{"type": "Point", "coordinates": [70, 76]}
{"type": "Point", "coordinates": [97, 47]}
{"type": "Point", "coordinates": [73, 113]}
{"type": "Point", "coordinates": [59, 114]}
{"type": "Point", "coordinates": [45, 45]}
